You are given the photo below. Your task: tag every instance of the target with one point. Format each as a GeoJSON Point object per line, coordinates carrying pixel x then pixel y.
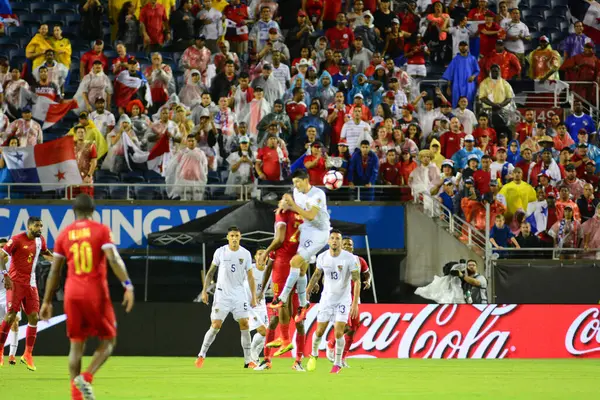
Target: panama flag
{"type": "Point", "coordinates": [587, 12]}
{"type": "Point", "coordinates": [47, 163]}
{"type": "Point", "coordinates": [44, 109]}
{"type": "Point", "coordinates": [151, 160]}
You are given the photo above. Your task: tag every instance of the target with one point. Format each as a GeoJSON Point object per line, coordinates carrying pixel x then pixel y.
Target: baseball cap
{"type": "Point", "coordinates": [469, 181]}
{"type": "Point", "coordinates": [131, 61]}
{"type": "Point", "coordinates": [500, 42]}
{"type": "Point", "coordinates": [83, 114]}
{"type": "Point", "coordinates": [547, 151]}
{"type": "Point", "coordinates": [396, 21]}
{"type": "Point", "coordinates": [301, 13]}
{"type": "Point", "coordinates": [343, 61]}
{"type": "Point", "coordinates": [316, 144]}
{"type": "Point", "coordinates": [551, 194]}
{"type": "Point", "coordinates": [570, 167]}
{"type": "Point", "coordinates": [545, 139]}
{"type": "Point", "coordinates": [501, 149]}
{"type": "Point", "coordinates": [368, 14]}
{"type": "Point", "coordinates": [244, 139]}
{"type": "Point", "coordinates": [343, 142]}
{"type": "Point", "coordinates": [541, 125]}
{"type": "Point", "coordinates": [568, 206]}
{"type": "Point", "coordinates": [590, 162]}
{"type": "Point", "coordinates": [26, 109]}
{"type": "Point", "coordinates": [99, 42]}
{"type": "Point", "coordinates": [589, 44]}
{"type": "Point", "coordinates": [472, 157]}
{"type": "Point", "coordinates": [99, 100]}
{"type": "Point", "coordinates": [201, 37]}
{"type": "Point", "coordinates": [582, 145]}
{"type": "Point", "coordinates": [543, 174]}
{"type": "Point", "coordinates": [390, 94]}
{"type": "Point", "coordinates": [359, 95]}
{"type": "Point", "coordinates": [493, 182]}
{"type": "Point", "coordinates": [447, 181]}
{"type": "Point", "coordinates": [448, 162]}
{"type": "Point", "coordinates": [544, 39]}
{"type": "Point", "coordinates": [267, 66]}
{"type": "Point", "coordinates": [304, 61]}
{"type": "Point", "coordinates": [469, 138]}
{"type": "Point", "coordinates": [409, 107]}
{"type": "Point", "coordinates": [273, 31]}
{"type": "Point", "coordinates": [582, 131]}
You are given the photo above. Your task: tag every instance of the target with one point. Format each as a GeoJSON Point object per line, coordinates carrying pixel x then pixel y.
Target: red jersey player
{"type": "Point", "coordinates": [353, 323]}
{"type": "Point", "coordinates": [285, 247]}
{"type": "Point", "coordinates": [24, 250]}
{"type": "Point", "coordinates": [85, 245]}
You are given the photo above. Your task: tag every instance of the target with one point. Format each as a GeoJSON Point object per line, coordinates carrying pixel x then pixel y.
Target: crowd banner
{"type": "Point", "coordinates": [547, 283]}
{"type": "Point", "coordinates": [131, 224]}
{"type": "Point", "coordinates": [386, 331]}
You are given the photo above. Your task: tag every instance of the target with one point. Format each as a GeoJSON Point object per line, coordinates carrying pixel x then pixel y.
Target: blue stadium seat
{"type": "Point", "coordinates": [30, 21]}
{"type": "Point", "coordinates": [556, 3]}
{"type": "Point", "coordinates": [53, 20]}
{"type": "Point", "coordinates": [18, 52]}
{"type": "Point", "coordinates": [23, 42]}
{"type": "Point", "coordinates": [147, 193]}
{"type": "Point", "coordinates": [539, 10]}
{"type": "Point", "coordinates": [560, 11]}
{"type": "Point", "coordinates": [153, 177]}
{"type": "Point", "coordinates": [533, 20]}
{"type": "Point", "coordinates": [118, 192]}
{"type": "Point", "coordinates": [104, 176]}
{"type": "Point", "coordinates": [20, 8]}
{"type": "Point", "coordinates": [133, 177]}
{"type": "Point", "coordinates": [110, 54]}
{"type": "Point", "coordinates": [40, 8]}
{"type": "Point", "coordinates": [70, 32]}
{"type": "Point", "coordinates": [8, 44]}
{"type": "Point", "coordinates": [525, 13]}
{"type": "Point", "coordinates": [545, 4]}
{"type": "Point", "coordinates": [72, 20]}
{"type": "Point", "coordinates": [18, 32]}
{"type": "Point", "coordinates": [556, 20]}
{"type": "Point", "coordinates": [65, 8]}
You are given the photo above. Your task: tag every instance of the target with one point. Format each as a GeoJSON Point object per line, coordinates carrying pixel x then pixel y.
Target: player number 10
{"type": "Point", "coordinates": [82, 257]}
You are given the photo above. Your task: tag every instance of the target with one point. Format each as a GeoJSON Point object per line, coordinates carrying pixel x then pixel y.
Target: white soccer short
{"type": "Point", "coordinates": [339, 312]}
{"type": "Point", "coordinates": [238, 306]}
{"type": "Point", "coordinates": [258, 316]}
{"type": "Point", "coordinates": [416, 70]}
{"type": "Point", "coordinates": [311, 242]}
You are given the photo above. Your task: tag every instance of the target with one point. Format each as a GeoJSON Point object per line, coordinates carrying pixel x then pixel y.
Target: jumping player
{"type": "Point", "coordinates": [339, 268]}
{"type": "Point", "coordinates": [235, 266]}
{"type": "Point", "coordinates": [281, 250]}
{"type": "Point", "coordinates": [13, 336]}
{"type": "Point", "coordinates": [85, 245]}
{"type": "Point", "coordinates": [311, 204]}
{"type": "Point", "coordinates": [24, 251]}
{"type": "Point", "coordinates": [353, 323]}
{"type": "Point", "coordinates": [258, 315]}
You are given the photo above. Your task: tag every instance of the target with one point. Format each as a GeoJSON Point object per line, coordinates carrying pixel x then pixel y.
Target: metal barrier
{"type": "Point", "coordinates": [547, 253]}
{"type": "Point", "coordinates": [595, 105]}
{"type": "Point", "coordinates": [214, 192]}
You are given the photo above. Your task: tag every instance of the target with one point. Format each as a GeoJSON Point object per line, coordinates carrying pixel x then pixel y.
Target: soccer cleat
{"type": "Point", "coordinates": [298, 367]}
{"type": "Point", "coordinates": [330, 353]}
{"type": "Point", "coordinates": [275, 343]}
{"type": "Point", "coordinates": [27, 359]}
{"type": "Point", "coordinates": [345, 364]}
{"type": "Point", "coordinates": [199, 362]}
{"type": "Point", "coordinates": [312, 364]}
{"type": "Point", "coordinates": [84, 387]}
{"type": "Point", "coordinates": [335, 369]}
{"type": "Point", "coordinates": [12, 360]}
{"type": "Point", "coordinates": [276, 303]}
{"type": "Point", "coordinates": [263, 365]}
{"type": "Point", "coordinates": [301, 315]}
{"type": "Point", "coordinates": [250, 365]}
{"type": "Point", "coordinates": [284, 349]}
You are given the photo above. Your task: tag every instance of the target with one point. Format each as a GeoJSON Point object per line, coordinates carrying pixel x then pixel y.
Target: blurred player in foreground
{"type": "Point", "coordinates": [14, 329]}
{"type": "Point", "coordinates": [235, 266]}
{"type": "Point", "coordinates": [24, 251]}
{"type": "Point", "coordinates": [339, 268]}
{"type": "Point", "coordinates": [311, 204]}
{"type": "Point", "coordinates": [258, 315]}
{"type": "Point", "coordinates": [85, 245]}
{"type": "Point", "coordinates": [353, 323]}
{"type": "Point", "coordinates": [281, 251]}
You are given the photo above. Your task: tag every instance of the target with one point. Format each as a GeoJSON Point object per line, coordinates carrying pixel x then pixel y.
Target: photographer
{"type": "Point", "coordinates": [474, 285]}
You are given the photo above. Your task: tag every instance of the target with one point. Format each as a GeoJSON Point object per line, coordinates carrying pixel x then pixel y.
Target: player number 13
{"type": "Point", "coordinates": [82, 257]}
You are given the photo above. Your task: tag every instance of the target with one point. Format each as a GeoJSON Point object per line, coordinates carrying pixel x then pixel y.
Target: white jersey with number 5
{"type": "Point", "coordinates": [314, 198]}
{"type": "Point", "coordinates": [338, 275]}
{"type": "Point", "coordinates": [233, 271]}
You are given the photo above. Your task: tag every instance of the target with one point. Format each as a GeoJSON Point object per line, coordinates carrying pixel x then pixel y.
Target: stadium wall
{"type": "Point", "coordinates": [387, 331]}
{"type": "Point", "coordinates": [131, 223]}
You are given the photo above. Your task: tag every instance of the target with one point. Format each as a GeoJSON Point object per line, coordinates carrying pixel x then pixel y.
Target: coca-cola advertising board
{"type": "Point", "coordinates": [472, 331]}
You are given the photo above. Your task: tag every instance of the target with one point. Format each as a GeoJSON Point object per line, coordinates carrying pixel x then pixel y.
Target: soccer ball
{"type": "Point", "coordinates": [333, 180]}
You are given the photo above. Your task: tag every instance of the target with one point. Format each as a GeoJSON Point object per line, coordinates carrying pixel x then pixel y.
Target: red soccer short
{"type": "Point", "coordinates": [281, 270]}
{"type": "Point", "coordinates": [25, 295]}
{"type": "Point", "coordinates": [89, 318]}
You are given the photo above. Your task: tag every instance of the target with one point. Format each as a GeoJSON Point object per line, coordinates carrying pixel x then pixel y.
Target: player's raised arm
{"type": "Point", "coordinates": [356, 280]}
{"type": "Point", "coordinates": [207, 280]}
{"type": "Point", "coordinates": [118, 266]}
{"type": "Point", "coordinates": [58, 261]}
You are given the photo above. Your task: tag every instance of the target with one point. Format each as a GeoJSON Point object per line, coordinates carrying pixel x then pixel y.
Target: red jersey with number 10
{"type": "Point", "coordinates": [292, 222]}
{"type": "Point", "coordinates": [82, 244]}
{"type": "Point", "coordinates": [24, 253]}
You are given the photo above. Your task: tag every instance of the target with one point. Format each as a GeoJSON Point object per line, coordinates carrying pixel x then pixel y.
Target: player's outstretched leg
{"type": "Point", "coordinates": [301, 290]}
{"type": "Point", "coordinates": [246, 344]}
{"type": "Point", "coordinates": [300, 342]}
{"type": "Point", "coordinates": [258, 341]}
{"type": "Point", "coordinates": [340, 343]}
{"type": "Point", "coordinates": [316, 342]}
{"type": "Point", "coordinates": [284, 328]}
{"type": "Point", "coordinates": [209, 338]}
{"type": "Point", "coordinates": [14, 343]}
{"type": "Point", "coordinates": [269, 338]}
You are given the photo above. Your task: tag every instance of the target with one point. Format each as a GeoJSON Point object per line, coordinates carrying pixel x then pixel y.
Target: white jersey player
{"type": "Point", "coordinates": [13, 338]}
{"type": "Point", "coordinates": [234, 264]}
{"type": "Point", "coordinates": [311, 204]}
{"type": "Point", "coordinates": [259, 318]}
{"type": "Point", "coordinates": [339, 268]}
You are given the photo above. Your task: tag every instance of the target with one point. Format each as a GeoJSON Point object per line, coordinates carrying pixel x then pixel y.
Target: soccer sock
{"type": "Point", "coordinates": [246, 345]}
{"type": "Point", "coordinates": [301, 289]}
{"type": "Point", "coordinates": [88, 377]}
{"type": "Point", "coordinates": [258, 341]}
{"type": "Point", "coordinates": [349, 341]}
{"type": "Point", "coordinates": [285, 332]}
{"type": "Point", "coordinates": [4, 329]}
{"type": "Point", "coordinates": [289, 284]}
{"type": "Point", "coordinates": [339, 349]}
{"type": "Point", "coordinates": [269, 338]}
{"type": "Point", "coordinates": [300, 340]}
{"type": "Point", "coordinates": [30, 336]}
{"type": "Point", "coordinates": [14, 342]}
{"type": "Point", "coordinates": [331, 343]}
{"type": "Point", "coordinates": [316, 341]}
{"type": "Point", "coordinates": [209, 338]}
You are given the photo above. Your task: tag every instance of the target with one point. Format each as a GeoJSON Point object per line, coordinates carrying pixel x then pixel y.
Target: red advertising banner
{"type": "Point", "coordinates": [472, 331]}
{"type": "Point", "coordinates": [543, 115]}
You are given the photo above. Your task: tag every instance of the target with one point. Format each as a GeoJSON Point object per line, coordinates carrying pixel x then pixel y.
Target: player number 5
{"type": "Point", "coordinates": [232, 267]}
{"type": "Point", "coordinates": [82, 257]}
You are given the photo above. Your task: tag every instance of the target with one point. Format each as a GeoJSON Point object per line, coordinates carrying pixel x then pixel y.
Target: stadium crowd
{"type": "Point", "coordinates": [243, 94]}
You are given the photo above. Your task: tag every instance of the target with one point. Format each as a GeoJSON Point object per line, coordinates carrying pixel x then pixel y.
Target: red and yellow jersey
{"type": "Point", "coordinates": [292, 221]}
{"type": "Point", "coordinates": [24, 254]}
{"type": "Point", "coordinates": [82, 244]}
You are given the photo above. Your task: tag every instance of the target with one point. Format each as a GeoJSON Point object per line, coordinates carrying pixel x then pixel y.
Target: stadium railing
{"type": "Point", "coordinates": [212, 192]}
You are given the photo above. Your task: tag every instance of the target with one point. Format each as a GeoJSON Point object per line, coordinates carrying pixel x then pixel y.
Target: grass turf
{"type": "Point", "coordinates": [224, 378]}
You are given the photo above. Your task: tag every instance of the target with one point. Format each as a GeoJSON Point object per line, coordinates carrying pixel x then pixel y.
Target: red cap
{"type": "Point", "coordinates": [501, 149]}
{"type": "Point", "coordinates": [409, 107]}
{"type": "Point", "coordinates": [273, 30]}
{"type": "Point", "coordinates": [343, 142]}
{"type": "Point", "coordinates": [301, 13]}
{"type": "Point", "coordinates": [390, 94]}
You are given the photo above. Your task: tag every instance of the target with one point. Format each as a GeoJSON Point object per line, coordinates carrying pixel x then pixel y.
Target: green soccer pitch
{"type": "Point", "coordinates": [143, 378]}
